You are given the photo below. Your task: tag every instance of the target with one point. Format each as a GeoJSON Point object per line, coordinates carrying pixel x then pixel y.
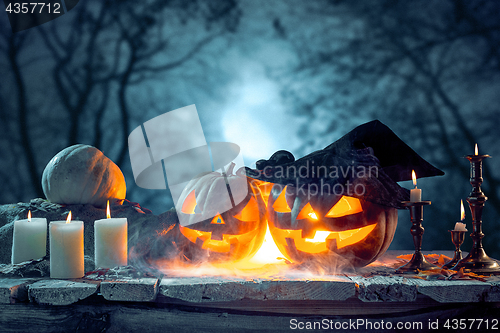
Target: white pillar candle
{"type": "Point", "coordinates": [416, 193]}
{"type": "Point", "coordinates": [29, 239]}
{"type": "Point", "coordinates": [66, 249]}
{"type": "Point", "coordinates": [459, 226]}
{"type": "Point", "coordinates": [110, 236]}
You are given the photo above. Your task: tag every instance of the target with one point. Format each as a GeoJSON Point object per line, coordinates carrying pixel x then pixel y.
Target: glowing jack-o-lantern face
{"type": "Point", "coordinates": [232, 234]}
{"type": "Point", "coordinates": [328, 226]}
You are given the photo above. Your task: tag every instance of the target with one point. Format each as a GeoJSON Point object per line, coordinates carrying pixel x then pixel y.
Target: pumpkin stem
{"type": "Point", "coordinates": [230, 168]}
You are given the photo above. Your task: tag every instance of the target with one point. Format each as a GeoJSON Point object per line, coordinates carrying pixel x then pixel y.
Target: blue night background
{"type": "Point", "coordinates": [266, 75]}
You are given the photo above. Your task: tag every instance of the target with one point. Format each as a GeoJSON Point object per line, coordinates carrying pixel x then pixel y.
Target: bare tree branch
{"type": "Point", "coordinates": [15, 44]}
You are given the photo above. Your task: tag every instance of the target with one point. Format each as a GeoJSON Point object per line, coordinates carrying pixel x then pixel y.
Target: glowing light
{"type": "Point", "coordinates": [29, 215]}
{"type": "Point", "coordinates": [280, 205]}
{"type": "Point", "coordinates": [414, 177]}
{"type": "Point", "coordinates": [318, 243]}
{"type": "Point", "coordinates": [462, 210]}
{"type": "Point", "coordinates": [268, 253]}
{"type": "Point", "coordinates": [108, 212]}
{"type": "Point", "coordinates": [216, 245]}
{"type": "Point", "coordinates": [345, 206]}
{"type": "Point", "coordinates": [313, 215]}
{"type": "Point", "coordinates": [218, 220]}
{"type": "Point", "coordinates": [307, 212]}
{"type": "Point", "coordinates": [189, 204]}
{"type": "Point", "coordinates": [265, 189]}
{"type": "Point", "coordinates": [68, 219]}
{"type": "Point", "coordinates": [165, 231]}
{"type": "Point", "coordinates": [319, 236]}
{"type": "Point", "coordinates": [253, 117]}
{"type": "Point", "coordinates": [255, 143]}
{"type": "Point", "coordinates": [250, 212]}
{"type": "Point", "coordinates": [476, 152]}
{"type": "Point", "coordinates": [193, 234]}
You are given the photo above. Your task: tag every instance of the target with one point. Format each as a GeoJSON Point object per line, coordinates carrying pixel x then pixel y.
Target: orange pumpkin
{"type": "Point", "coordinates": [217, 226]}
{"type": "Point", "coordinates": [329, 228]}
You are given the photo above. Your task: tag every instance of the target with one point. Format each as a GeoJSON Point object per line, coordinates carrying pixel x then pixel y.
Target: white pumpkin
{"type": "Point", "coordinates": [81, 174]}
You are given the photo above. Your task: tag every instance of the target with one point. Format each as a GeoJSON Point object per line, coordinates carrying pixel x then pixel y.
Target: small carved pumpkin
{"type": "Point", "coordinates": [328, 227]}
{"type": "Point", "coordinates": [217, 226]}
{"type": "Point", "coordinates": [81, 174]}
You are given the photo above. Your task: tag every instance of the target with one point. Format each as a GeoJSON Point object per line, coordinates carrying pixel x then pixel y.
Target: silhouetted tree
{"type": "Point", "coordinates": [428, 69]}
{"type": "Point", "coordinates": [80, 78]}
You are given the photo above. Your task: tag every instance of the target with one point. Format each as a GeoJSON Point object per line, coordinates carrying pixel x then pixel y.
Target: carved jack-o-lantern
{"type": "Point", "coordinates": [214, 231]}
{"type": "Point", "coordinates": [354, 217]}
{"type": "Point", "coordinates": [327, 227]}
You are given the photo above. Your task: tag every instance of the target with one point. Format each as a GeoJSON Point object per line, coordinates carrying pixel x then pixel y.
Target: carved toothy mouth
{"type": "Point", "coordinates": [322, 240]}
{"type": "Point", "coordinates": [223, 245]}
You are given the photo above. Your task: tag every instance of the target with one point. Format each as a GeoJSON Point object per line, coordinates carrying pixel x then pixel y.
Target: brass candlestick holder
{"type": "Point", "coordinates": [418, 261]}
{"type": "Point", "coordinates": [457, 237]}
{"type": "Point", "coordinates": [477, 261]}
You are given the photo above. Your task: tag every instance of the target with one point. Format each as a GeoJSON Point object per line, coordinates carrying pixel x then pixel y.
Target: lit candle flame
{"type": "Point", "coordinates": [319, 237]}
{"type": "Point", "coordinates": [313, 215]}
{"type": "Point", "coordinates": [29, 215]}
{"type": "Point", "coordinates": [414, 177]}
{"type": "Point", "coordinates": [68, 220]}
{"type": "Point", "coordinates": [462, 210]}
{"type": "Point", "coordinates": [108, 212]}
{"type": "Point", "coordinates": [476, 152]}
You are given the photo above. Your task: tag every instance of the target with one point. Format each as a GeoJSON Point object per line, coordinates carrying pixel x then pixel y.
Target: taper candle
{"type": "Point", "coordinates": [416, 193]}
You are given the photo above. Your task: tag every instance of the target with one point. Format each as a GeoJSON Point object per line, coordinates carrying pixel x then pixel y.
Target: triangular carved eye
{"type": "Point", "coordinates": [307, 213]}
{"type": "Point", "coordinates": [250, 212]}
{"type": "Point", "coordinates": [190, 206]}
{"type": "Point", "coordinates": [218, 220]}
{"type": "Point", "coordinates": [345, 206]}
{"type": "Point", "coordinates": [280, 205]}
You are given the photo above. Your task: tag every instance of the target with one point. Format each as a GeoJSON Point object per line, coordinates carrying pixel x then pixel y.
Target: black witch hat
{"type": "Point", "coordinates": [371, 155]}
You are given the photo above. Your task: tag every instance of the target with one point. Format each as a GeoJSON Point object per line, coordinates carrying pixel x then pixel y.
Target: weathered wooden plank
{"type": "Point", "coordinates": [350, 307]}
{"type": "Point", "coordinates": [384, 289]}
{"type": "Point", "coordinates": [214, 289]}
{"type": "Point", "coordinates": [131, 290]}
{"type": "Point", "coordinates": [454, 291]}
{"type": "Point", "coordinates": [61, 292]}
{"type": "Point", "coordinates": [129, 317]}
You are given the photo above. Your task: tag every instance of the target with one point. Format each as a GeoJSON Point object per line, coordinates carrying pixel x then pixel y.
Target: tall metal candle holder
{"type": "Point", "coordinates": [477, 261]}
{"type": "Point", "coordinates": [418, 261]}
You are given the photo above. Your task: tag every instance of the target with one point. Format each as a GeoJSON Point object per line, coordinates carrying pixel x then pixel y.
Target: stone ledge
{"type": "Point", "coordinates": [14, 290]}
{"type": "Point", "coordinates": [456, 291]}
{"type": "Point", "coordinates": [216, 289]}
{"type": "Point", "coordinates": [384, 289]}
{"type": "Point", "coordinates": [130, 290]}
{"type": "Point", "coordinates": [60, 292]}
{"type": "Point", "coordinates": [200, 290]}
